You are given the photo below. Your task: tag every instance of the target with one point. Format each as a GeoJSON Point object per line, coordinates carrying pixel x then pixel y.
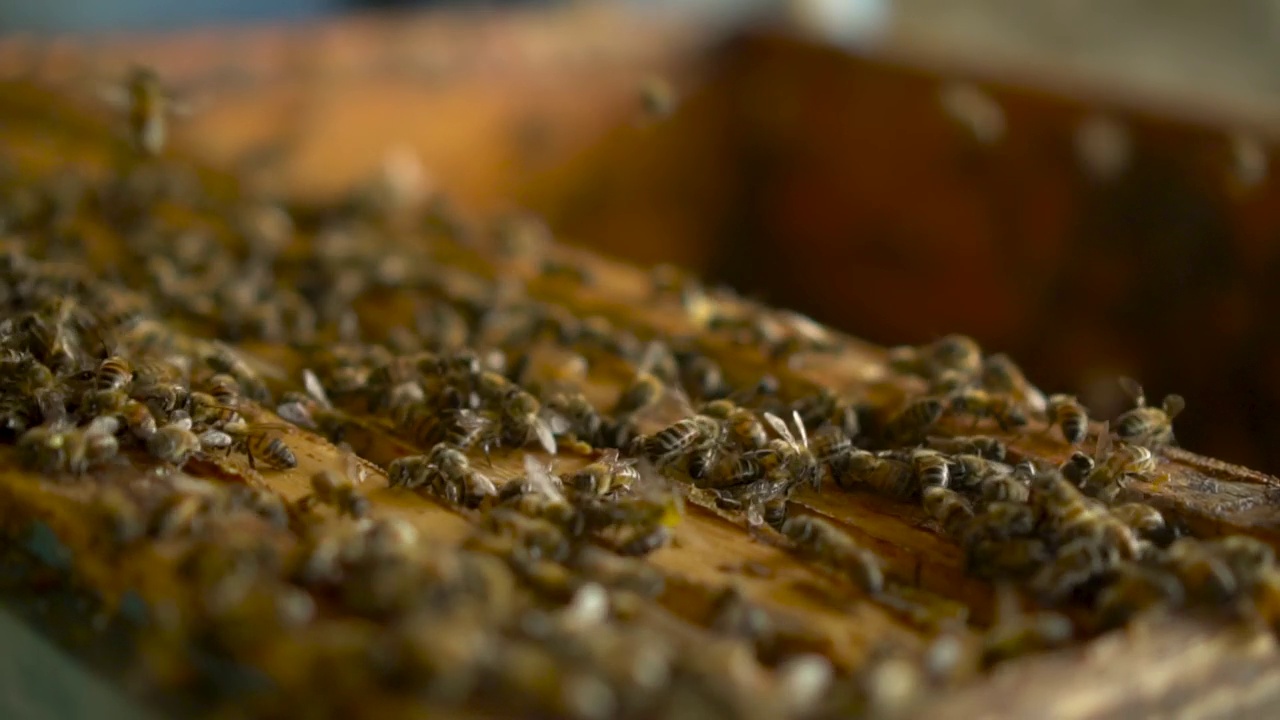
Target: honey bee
{"type": "Point", "coordinates": [538, 494]}
{"type": "Point", "coordinates": [669, 445]}
{"type": "Point", "coordinates": [122, 515]}
{"type": "Point", "coordinates": [742, 426]}
{"type": "Point", "coordinates": [604, 475]}
{"type": "Point", "coordinates": [1016, 633]}
{"type": "Point", "coordinates": [113, 373]}
{"type": "Point", "coordinates": [911, 424]}
{"type": "Point", "coordinates": [149, 105]}
{"type": "Point", "coordinates": [1000, 374]}
{"type": "Point", "coordinates": [206, 410]}
{"type": "Point", "coordinates": [612, 571]}
{"type": "Point", "coordinates": [54, 448]}
{"type": "Point", "coordinates": [173, 443]}
{"type": "Point", "coordinates": [522, 421]}
{"type": "Point", "coordinates": [225, 360]}
{"type": "Point", "coordinates": [702, 377]}
{"type": "Point", "coordinates": [1206, 575]}
{"type": "Point", "coordinates": [886, 476]}
{"type": "Point", "coordinates": [1070, 416]}
{"type": "Point", "coordinates": [1145, 520]}
{"type": "Point", "coordinates": [1016, 557]}
{"type": "Point", "coordinates": [1112, 466]}
{"type": "Point", "coordinates": [980, 404]}
{"type": "Point", "coordinates": [949, 509]}
{"type": "Point", "coordinates": [181, 513]}
{"type": "Point", "coordinates": [1001, 521]}
{"type": "Point", "coordinates": [577, 414]}
{"type": "Point", "coordinates": [969, 471]}
{"type": "Point", "coordinates": [831, 447]}
{"type": "Point", "coordinates": [824, 408]}
{"type": "Point", "coordinates": [1077, 467]}
{"type": "Point", "coordinates": [644, 390]}
{"type": "Point", "coordinates": [337, 489]}
{"type": "Point", "coordinates": [1005, 488]}
{"type": "Point", "coordinates": [138, 419]}
{"type": "Point", "coordinates": [931, 467]}
{"type": "Point", "coordinates": [952, 352]}
{"type": "Point", "coordinates": [537, 537]}
{"type": "Point", "coordinates": [1134, 589]}
{"type": "Point", "coordinates": [987, 448]}
{"type": "Point", "coordinates": [790, 453]}
{"type": "Point", "coordinates": [259, 442]}
{"type": "Point", "coordinates": [824, 543]}
{"type": "Point", "coordinates": [1247, 557]}
{"type": "Point", "coordinates": [1146, 424]}
{"type": "Point", "coordinates": [1077, 563]}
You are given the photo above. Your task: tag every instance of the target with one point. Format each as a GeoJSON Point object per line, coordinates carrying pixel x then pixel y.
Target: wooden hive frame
{"type": "Point", "coordinates": [1200, 665]}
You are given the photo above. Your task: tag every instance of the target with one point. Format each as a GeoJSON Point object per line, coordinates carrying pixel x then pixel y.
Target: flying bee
{"type": "Point", "coordinates": [980, 404]}
{"type": "Point", "coordinates": [824, 543]}
{"type": "Point", "coordinates": [1146, 424]}
{"type": "Point", "coordinates": [702, 377]}
{"type": "Point", "coordinates": [260, 442]}
{"type": "Point", "coordinates": [148, 105]}
{"type": "Point", "coordinates": [337, 489]}
{"type": "Point", "coordinates": [913, 421]}
{"type": "Point", "coordinates": [931, 467]}
{"type": "Point", "coordinates": [113, 373]}
{"type": "Point", "coordinates": [1144, 519]}
{"type": "Point", "coordinates": [604, 475]}
{"type": "Point", "coordinates": [1016, 633]}
{"type": "Point", "coordinates": [949, 509]}
{"type": "Point", "coordinates": [669, 445]}
{"type": "Point", "coordinates": [1070, 416]}
{"type": "Point", "coordinates": [1135, 589]}
{"type": "Point", "coordinates": [173, 443]}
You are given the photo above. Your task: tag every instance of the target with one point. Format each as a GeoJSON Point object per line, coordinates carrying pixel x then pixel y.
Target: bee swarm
{"type": "Point", "coordinates": [374, 456]}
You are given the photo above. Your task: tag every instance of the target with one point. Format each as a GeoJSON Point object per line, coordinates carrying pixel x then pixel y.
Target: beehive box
{"type": "Point", "coordinates": [759, 584]}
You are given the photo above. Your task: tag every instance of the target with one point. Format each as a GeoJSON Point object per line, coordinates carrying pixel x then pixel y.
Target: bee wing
{"type": "Point", "coordinates": [113, 94]}
{"type": "Point", "coordinates": [1174, 405]}
{"type": "Point", "coordinates": [540, 479]}
{"type": "Point", "coordinates": [1133, 390]}
{"type": "Point", "coordinates": [681, 399]}
{"type": "Point", "coordinates": [1103, 448]}
{"type": "Point", "coordinates": [314, 388]}
{"type": "Point", "coordinates": [804, 434]}
{"type": "Point", "coordinates": [296, 413]}
{"type": "Point", "coordinates": [779, 427]}
{"type": "Point", "coordinates": [546, 438]}
{"type": "Point", "coordinates": [652, 353]}
{"type": "Point", "coordinates": [558, 423]}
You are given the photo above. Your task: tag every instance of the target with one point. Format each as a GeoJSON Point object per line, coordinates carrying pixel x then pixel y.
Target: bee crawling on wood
{"type": "Point", "coordinates": [1017, 633]}
{"type": "Point", "coordinates": [823, 542]}
{"type": "Point", "coordinates": [338, 489]}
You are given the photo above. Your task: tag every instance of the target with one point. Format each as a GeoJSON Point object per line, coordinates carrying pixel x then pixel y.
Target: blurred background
{"type": "Point", "coordinates": [1086, 185]}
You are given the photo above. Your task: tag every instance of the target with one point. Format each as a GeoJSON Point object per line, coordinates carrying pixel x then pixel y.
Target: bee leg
{"type": "Point", "coordinates": [249, 453]}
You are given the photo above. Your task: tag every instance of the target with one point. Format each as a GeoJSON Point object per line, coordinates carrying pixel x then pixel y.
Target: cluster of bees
{"type": "Point", "coordinates": [548, 602]}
